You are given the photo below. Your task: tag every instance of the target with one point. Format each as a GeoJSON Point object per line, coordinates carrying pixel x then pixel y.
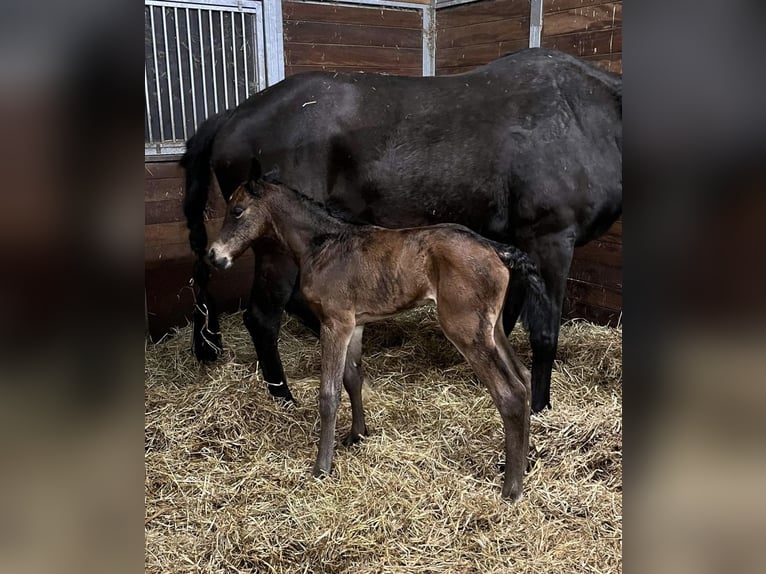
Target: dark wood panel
{"type": "Point", "coordinates": [338, 34]}
{"type": "Point", "coordinates": [484, 33]}
{"type": "Point", "coordinates": [591, 294]}
{"type": "Point", "coordinates": [390, 18]}
{"type": "Point", "coordinates": [474, 55]}
{"type": "Point", "coordinates": [169, 299]}
{"type": "Point", "coordinates": [362, 56]}
{"type": "Point", "coordinates": [601, 17]}
{"type": "Point", "coordinates": [614, 233]}
{"type": "Point", "coordinates": [391, 71]}
{"type": "Point", "coordinates": [600, 252]}
{"type": "Point", "coordinates": [597, 273]}
{"type": "Point", "coordinates": [550, 6]}
{"type": "Point", "coordinates": [163, 189]}
{"type": "Point", "coordinates": [576, 310]}
{"type": "Point", "coordinates": [608, 62]}
{"type": "Point", "coordinates": [475, 13]}
{"type": "Point", "coordinates": [162, 169]}
{"type": "Point", "coordinates": [587, 43]}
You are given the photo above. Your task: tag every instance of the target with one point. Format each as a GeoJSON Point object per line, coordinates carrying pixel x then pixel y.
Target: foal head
{"type": "Point", "coordinates": [245, 221]}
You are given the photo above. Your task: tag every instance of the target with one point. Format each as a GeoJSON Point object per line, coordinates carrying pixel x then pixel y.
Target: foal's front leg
{"type": "Point", "coordinates": [334, 336]}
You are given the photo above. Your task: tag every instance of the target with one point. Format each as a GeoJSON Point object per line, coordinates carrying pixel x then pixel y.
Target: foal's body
{"type": "Point", "coordinates": [353, 274]}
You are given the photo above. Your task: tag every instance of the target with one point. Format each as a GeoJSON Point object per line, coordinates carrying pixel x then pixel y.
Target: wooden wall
{"type": "Point", "coordinates": [590, 29]}
{"type": "Point", "coordinates": [352, 39]}
{"type": "Point", "coordinates": [473, 34]}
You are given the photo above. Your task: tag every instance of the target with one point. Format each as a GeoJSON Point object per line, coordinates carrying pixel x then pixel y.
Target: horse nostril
{"type": "Point", "coordinates": [211, 254]}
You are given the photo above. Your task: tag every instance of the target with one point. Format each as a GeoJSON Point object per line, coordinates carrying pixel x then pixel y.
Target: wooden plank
{"type": "Point", "coordinates": [593, 313]}
{"type": "Point", "coordinates": [608, 62]}
{"type": "Point", "coordinates": [551, 6]}
{"type": "Point", "coordinates": [600, 17]}
{"type": "Point", "coordinates": [364, 16]}
{"type": "Point", "coordinates": [474, 55]}
{"type": "Point", "coordinates": [363, 56]}
{"type": "Point", "coordinates": [162, 169]}
{"type": "Point", "coordinates": [163, 189]}
{"type": "Point", "coordinates": [475, 13]}
{"type": "Point", "coordinates": [613, 234]}
{"type": "Point", "coordinates": [337, 34]}
{"type": "Point", "coordinates": [390, 71]}
{"type": "Point", "coordinates": [586, 43]}
{"type": "Point", "coordinates": [590, 294]}
{"type": "Point", "coordinates": [484, 33]}
{"type": "Point", "coordinates": [596, 273]}
{"type": "Point", "coordinates": [600, 252]}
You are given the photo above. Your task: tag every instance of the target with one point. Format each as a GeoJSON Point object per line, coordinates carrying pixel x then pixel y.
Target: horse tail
{"type": "Point", "coordinates": [206, 337]}
{"type": "Point", "coordinates": [537, 296]}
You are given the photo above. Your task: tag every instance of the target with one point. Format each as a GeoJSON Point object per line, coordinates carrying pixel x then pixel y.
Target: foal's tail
{"type": "Point", "coordinates": [537, 296]}
{"type": "Point", "coordinates": [196, 162]}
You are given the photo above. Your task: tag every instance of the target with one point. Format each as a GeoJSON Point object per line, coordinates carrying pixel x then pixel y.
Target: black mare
{"type": "Point", "coordinates": [525, 150]}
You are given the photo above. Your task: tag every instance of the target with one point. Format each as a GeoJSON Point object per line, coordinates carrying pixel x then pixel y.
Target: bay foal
{"type": "Point", "coordinates": [353, 274]}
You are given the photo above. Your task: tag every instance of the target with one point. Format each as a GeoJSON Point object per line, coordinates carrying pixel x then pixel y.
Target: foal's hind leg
{"type": "Point", "coordinates": [473, 334]}
{"type": "Point", "coordinates": [352, 381]}
{"type": "Point", "coordinates": [275, 274]}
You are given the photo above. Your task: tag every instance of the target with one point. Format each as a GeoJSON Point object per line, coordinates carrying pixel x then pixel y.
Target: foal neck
{"type": "Point", "coordinates": [299, 221]}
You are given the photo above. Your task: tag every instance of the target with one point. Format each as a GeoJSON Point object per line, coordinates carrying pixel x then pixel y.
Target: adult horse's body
{"type": "Point", "coordinates": [526, 150]}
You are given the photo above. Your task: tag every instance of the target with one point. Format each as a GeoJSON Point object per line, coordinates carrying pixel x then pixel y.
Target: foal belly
{"type": "Point", "coordinates": [385, 312]}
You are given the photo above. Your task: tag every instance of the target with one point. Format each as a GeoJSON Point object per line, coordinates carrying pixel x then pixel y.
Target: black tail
{"type": "Point", "coordinates": [206, 339]}
{"type": "Point", "coordinates": [537, 296]}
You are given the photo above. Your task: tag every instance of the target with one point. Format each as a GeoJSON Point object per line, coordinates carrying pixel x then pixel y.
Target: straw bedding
{"type": "Point", "coordinates": [229, 487]}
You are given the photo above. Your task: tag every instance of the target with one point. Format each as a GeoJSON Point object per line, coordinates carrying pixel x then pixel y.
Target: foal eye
{"type": "Point", "coordinates": [237, 212]}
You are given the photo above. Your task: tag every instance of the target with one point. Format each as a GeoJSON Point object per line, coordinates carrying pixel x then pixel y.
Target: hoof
{"type": "Point", "coordinates": [353, 438]}
{"type": "Point", "coordinates": [512, 492]}
{"type": "Point", "coordinates": [206, 353]}
{"type": "Point", "coordinates": [320, 472]}
{"type": "Point", "coordinates": [538, 408]}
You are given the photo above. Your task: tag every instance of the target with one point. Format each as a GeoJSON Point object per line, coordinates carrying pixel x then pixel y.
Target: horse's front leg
{"type": "Point", "coordinates": [334, 336]}
{"type": "Point", "coordinates": [273, 280]}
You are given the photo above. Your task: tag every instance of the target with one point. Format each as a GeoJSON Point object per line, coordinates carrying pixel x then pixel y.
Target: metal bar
{"type": "Point", "coordinates": [212, 57]}
{"type": "Point", "coordinates": [191, 71]}
{"type": "Point", "coordinates": [234, 55]}
{"type": "Point", "coordinates": [260, 53]}
{"type": "Point", "coordinates": [448, 3]}
{"type": "Point", "coordinates": [202, 57]}
{"type": "Point", "coordinates": [275, 47]}
{"type": "Point", "coordinates": [167, 75]}
{"type": "Point", "coordinates": [244, 53]}
{"type": "Point", "coordinates": [236, 5]}
{"type": "Point", "coordinates": [223, 65]}
{"type": "Point", "coordinates": [379, 3]}
{"type": "Point", "coordinates": [535, 23]}
{"type": "Point", "coordinates": [429, 41]}
{"type": "Point", "coordinates": [157, 75]}
{"type": "Point", "coordinates": [180, 74]}
{"type": "Point", "coordinates": [148, 105]}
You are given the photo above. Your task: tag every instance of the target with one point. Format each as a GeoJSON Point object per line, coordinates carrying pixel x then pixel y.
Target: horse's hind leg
{"type": "Point", "coordinates": [353, 376]}
{"type": "Point", "coordinates": [275, 274]}
{"type": "Point", "coordinates": [473, 335]}
{"type": "Point", "coordinates": [553, 255]}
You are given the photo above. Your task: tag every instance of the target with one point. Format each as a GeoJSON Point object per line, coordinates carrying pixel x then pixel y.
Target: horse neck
{"type": "Point", "coordinates": [298, 223]}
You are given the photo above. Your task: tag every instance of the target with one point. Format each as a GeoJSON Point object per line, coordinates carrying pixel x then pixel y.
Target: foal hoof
{"type": "Point", "coordinates": [512, 492]}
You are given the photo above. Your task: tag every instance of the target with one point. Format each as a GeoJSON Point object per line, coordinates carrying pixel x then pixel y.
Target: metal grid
{"type": "Point", "coordinates": [200, 58]}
